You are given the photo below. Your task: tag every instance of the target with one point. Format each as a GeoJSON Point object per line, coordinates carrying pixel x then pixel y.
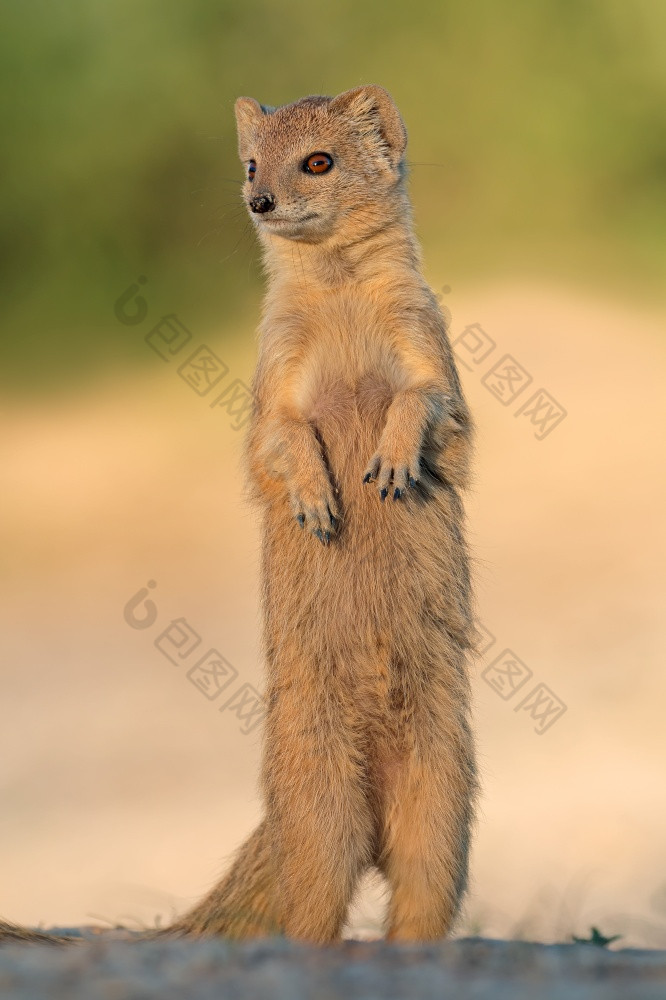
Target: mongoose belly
{"type": "Point", "coordinates": [395, 576]}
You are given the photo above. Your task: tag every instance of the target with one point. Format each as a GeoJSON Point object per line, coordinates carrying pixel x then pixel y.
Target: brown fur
{"type": "Point", "coordinates": [13, 934]}
{"type": "Point", "coordinates": [368, 756]}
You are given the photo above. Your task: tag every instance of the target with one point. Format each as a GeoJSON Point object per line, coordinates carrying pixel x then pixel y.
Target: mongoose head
{"type": "Point", "coordinates": [322, 168]}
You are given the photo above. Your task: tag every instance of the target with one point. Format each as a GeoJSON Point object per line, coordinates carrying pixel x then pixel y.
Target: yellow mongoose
{"type": "Point", "coordinates": [358, 452]}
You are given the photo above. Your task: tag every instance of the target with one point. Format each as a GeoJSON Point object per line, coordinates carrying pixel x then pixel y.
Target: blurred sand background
{"type": "Point", "coordinates": [124, 789]}
{"type": "Point", "coordinates": [538, 170]}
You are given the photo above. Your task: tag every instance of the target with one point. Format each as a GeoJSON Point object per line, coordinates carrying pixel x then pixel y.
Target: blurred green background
{"type": "Point", "coordinates": [537, 144]}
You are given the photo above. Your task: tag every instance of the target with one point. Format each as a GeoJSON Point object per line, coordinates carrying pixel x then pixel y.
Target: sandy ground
{"type": "Point", "coordinates": [285, 971]}
{"type": "Point", "coordinates": [123, 788]}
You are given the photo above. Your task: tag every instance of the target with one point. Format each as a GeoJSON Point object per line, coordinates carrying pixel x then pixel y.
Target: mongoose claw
{"type": "Point", "coordinates": [373, 468]}
{"type": "Point", "coordinates": [317, 513]}
{"type": "Point", "coordinates": [390, 476]}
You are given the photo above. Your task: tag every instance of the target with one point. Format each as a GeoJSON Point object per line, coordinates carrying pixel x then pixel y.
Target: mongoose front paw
{"type": "Point", "coordinates": [391, 473]}
{"type": "Point", "coordinates": [318, 513]}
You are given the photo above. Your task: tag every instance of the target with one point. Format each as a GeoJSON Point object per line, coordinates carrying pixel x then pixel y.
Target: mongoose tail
{"type": "Point", "coordinates": [239, 906]}
{"type": "Point", "coordinates": [14, 934]}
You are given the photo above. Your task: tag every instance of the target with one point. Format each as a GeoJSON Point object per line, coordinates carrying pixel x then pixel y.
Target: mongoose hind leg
{"type": "Point", "coordinates": [320, 821]}
{"type": "Point", "coordinates": [428, 812]}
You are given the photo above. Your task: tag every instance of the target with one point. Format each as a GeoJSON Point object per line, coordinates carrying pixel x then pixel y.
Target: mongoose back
{"type": "Point", "coordinates": [357, 452]}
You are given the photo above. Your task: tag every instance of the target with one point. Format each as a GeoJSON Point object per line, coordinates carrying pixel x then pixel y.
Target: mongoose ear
{"type": "Point", "coordinates": [248, 113]}
{"type": "Point", "coordinates": [376, 118]}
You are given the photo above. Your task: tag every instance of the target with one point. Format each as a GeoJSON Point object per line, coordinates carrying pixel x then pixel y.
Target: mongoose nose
{"type": "Point", "coordinates": [262, 203]}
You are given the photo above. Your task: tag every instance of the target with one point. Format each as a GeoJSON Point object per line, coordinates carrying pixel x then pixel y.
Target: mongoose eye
{"type": "Point", "coordinates": [251, 170]}
{"type": "Point", "coordinates": [317, 163]}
